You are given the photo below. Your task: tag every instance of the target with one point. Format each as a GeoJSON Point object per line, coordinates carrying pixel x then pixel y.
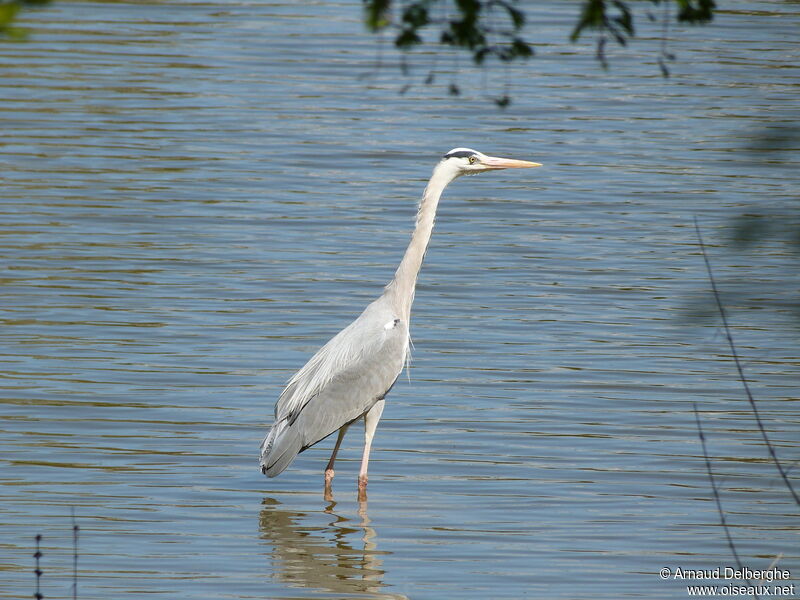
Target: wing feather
{"type": "Point", "coordinates": [341, 382]}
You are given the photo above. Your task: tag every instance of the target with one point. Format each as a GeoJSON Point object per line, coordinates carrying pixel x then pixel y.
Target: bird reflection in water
{"type": "Point", "coordinates": [341, 556]}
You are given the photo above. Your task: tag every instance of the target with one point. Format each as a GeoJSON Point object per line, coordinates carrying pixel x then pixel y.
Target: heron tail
{"type": "Point", "coordinates": [279, 448]}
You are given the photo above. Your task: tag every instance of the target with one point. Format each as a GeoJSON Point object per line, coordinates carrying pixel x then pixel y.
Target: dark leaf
{"type": "Point", "coordinates": [517, 16]}
{"type": "Point", "coordinates": [480, 54]}
{"type": "Point", "coordinates": [696, 11]}
{"type": "Point", "coordinates": [376, 14]}
{"type": "Point", "coordinates": [621, 39]}
{"type": "Point", "coordinates": [7, 13]}
{"type": "Point", "coordinates": [625, 18]}
{"type": "Point", "coordinates": [469, 9]}
{"type": "Point", "coordinates": [407, 38]}
{"type": "Point", "coordinates": [521, 48]}
{"type": "Point", "coordinates": [416, 15]}
{"type": "Point", "coordinates": [593, 15]}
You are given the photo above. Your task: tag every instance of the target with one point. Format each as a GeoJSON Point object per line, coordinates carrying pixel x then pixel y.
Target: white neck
{"type": "Point", "coordinates": [401, 288]}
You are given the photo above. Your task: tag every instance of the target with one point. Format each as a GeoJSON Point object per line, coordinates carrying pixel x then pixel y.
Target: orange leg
{"type": "Point", "coordinates": [329, 469]}
{"type": "Point", "coordinates": [370, 424]}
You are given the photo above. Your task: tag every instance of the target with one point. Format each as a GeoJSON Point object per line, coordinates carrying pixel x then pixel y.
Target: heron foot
{"type": "Point", "coordinates": [328, 489]}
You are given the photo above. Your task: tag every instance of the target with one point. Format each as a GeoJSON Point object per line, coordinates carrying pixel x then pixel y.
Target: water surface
{"type": "Point", "coordinates": [196, 196]}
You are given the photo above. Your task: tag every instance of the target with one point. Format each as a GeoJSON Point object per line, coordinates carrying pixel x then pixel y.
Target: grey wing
{"type": "Point", "coordinates": [341, 382]}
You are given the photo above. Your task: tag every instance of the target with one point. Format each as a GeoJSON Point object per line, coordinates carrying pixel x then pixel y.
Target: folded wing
{"type": "Point", "coordinates": [340, 383]}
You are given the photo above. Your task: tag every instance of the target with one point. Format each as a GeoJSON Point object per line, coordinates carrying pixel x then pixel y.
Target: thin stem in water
{"type": "Point", "coordinates": [739, 369]}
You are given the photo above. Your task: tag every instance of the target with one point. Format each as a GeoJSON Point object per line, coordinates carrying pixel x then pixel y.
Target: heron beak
{"type": "Point", "coordinates": [493, 162]}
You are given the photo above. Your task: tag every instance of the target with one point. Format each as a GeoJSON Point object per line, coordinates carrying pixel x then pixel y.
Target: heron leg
{"type": "Point", "coordinates": [329, 468]}
{"type": "Point", "coordinates": [370, 424]}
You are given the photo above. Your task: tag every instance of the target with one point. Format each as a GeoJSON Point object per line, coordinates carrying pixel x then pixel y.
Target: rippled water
{"type": "Point", "coordinates": [196, 196]}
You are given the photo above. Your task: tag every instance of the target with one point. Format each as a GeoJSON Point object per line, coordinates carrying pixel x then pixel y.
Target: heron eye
{"type": "Point", "coordinates": [472, 159]}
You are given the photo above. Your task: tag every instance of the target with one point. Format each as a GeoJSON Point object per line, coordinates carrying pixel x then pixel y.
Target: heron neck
{"type": "Point", "coordinates": [405, 278]}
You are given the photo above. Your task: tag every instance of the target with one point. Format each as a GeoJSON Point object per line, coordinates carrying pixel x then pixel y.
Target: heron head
{"type": "Point", "coordinates": [465, 161]}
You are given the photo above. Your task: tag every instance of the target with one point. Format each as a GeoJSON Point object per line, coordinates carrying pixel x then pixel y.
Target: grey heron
{"type": "Point", "coordinates": [349, 377]}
